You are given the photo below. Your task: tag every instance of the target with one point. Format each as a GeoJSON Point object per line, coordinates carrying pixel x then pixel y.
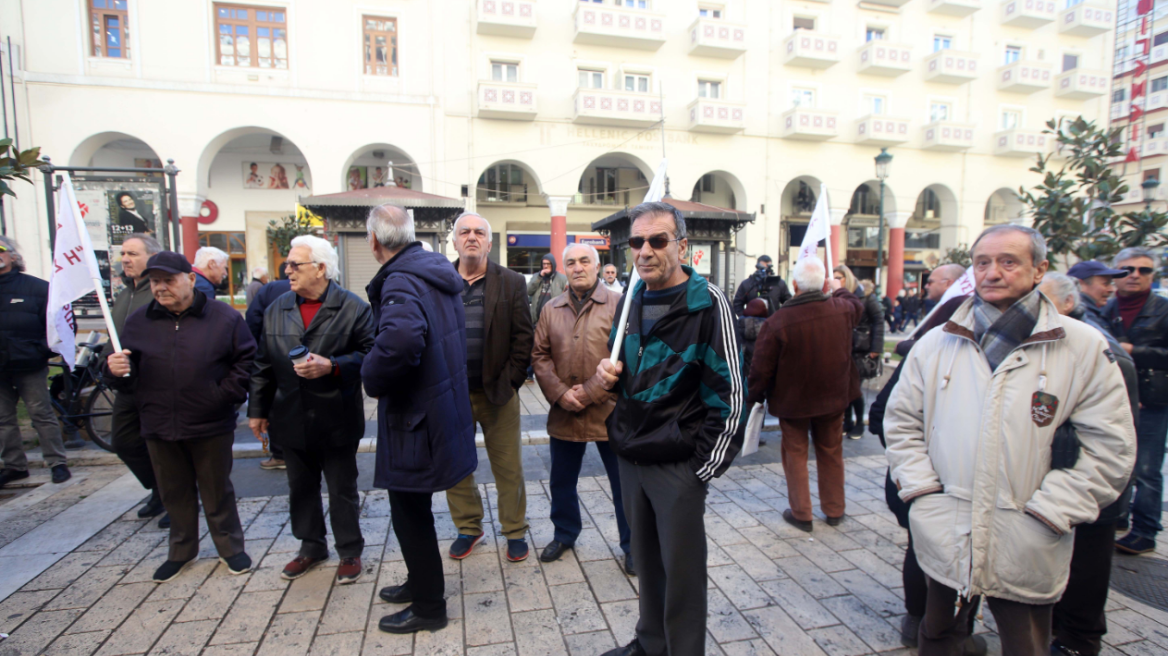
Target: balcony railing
{"type": "Point", "coordinates": [612, 107]}
{"type": "Point", "coordinates": [1082, 84]}
{"type": "Point", "coordinates": [957, 8]}
{"type": "Point", "coordinates": [948, 136]}
{"type": "Point", "coordinates": [618, 197]}
{"type": "Point", "coordinates": [951, 67]}
{"type": "Point", "coordinates": [809, 124]}
{"type": "Point", "coordinates": [811, 49]}
{"type": "Point", "coordinates": [619, 27]}
{"type": "Point", "coordinates": [881, 130]}
{"type": "Point", "coordinates": [1028, 13]}
{"type": "Point", "coordinates": [709, 37]}
{"type": "Point", "coordinates": [710, 115]}
{"type": "Point", "coordinates": [502, 193]}
{"type": "Point", "coordinates": [1019, 142]}
{"type": "Point", "coordinates": [884, 58]}
{"type": "Point", "coordinates": [506, 17]}
{"type": "Point", "coordinates": [1087, 19]}
{"type": "Point", "coordinates": [1025, 76]}
{"type": "Point", "coordinates": [507, 100]}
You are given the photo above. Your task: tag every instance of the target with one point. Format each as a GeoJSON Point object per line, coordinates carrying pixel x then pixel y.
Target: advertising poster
{"type": "Point", "coordinates": [112, 211]}
{"type": "Point", "coordinates": [275, 175]}
{"type": "Point", "coordinates": [699, 255]}
{"type": "Point", "coordinates": [357, 178]}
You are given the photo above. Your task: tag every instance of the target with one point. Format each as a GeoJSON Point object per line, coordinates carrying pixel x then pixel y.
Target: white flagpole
{"type": "Point", "coordinates": [826, 228]}
{"type": "Point", "coordinates": [656, 193]}
{"type": "Point", "coordinates": [68, 196]}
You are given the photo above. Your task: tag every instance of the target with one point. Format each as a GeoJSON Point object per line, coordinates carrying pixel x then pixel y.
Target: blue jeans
{"type": "Point", "coordinates": [1148, 487]}
{"type": "Point", "coordinates": [566, 460]}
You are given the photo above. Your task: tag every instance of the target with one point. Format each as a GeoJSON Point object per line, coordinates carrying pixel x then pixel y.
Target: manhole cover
{"type": "Point", "coordinates": [1142, 578]}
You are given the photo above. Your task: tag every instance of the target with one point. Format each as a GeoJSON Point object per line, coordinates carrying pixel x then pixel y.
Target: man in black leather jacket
{"type": "Point", "coordinates": [763, 283]}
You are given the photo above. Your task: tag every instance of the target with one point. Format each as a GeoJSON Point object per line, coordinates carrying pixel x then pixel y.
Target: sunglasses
{"type": "Point", "coordinates": [656, 242]}
{"type": "Point", "coordinates": [295, 265]}
{"type": "Point", "coordinates": [1143, 271]}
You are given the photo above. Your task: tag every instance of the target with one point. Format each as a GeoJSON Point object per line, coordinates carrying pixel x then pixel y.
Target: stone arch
{"type": "Point", "coordinates": [1003, 206]}
{"type": "Point", "coordinates": [250, 140]}
{"type": "Point", "coordinates": [719, 188]}
{"type": "Point", "coordinates": [378, 155]}
{"type": "Point", "coordinates": [508, 181]}
{"type": "Point", "coordinates": [112, 149]}
{"type": "Point", "coordinates": [615, 178]}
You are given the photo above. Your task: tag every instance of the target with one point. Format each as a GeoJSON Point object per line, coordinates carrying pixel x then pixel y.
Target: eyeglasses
{"type": "Point", "coordinates": [656, 242]}
{"type": "Point", "coordinates": [295, 265]}
{"type": "Point", "coordinates": [1143, 271]}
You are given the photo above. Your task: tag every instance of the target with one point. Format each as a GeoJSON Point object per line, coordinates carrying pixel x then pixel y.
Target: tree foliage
{"type": "Point", "coordinates": [959, 255]}
{"type": "Point", "coordinates": [282, 232]}
{"type": "Point", "coordinates": [16, 165]}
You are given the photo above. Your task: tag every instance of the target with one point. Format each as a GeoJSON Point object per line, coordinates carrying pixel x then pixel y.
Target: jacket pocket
{"type": "Point", "coordinates": [935, 524]}
{"type": "Point", "coordinates": [1032, 561]}
{"type": "Point", "coordinates": [409, 442]}
{"type": "Point", "coordinates": [663, 443]}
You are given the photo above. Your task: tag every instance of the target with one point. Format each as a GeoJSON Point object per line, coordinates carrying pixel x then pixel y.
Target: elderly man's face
{"type": "Point", "coordinates": [1064, 305]}
{"type": "Point", "coordinates": [173, 291]}
{"type": "Point", "coordinates": [610, 274]}
{"type": "Point", "coordinates": [306, 277]}
{"type": "Point", "coordinates": [1003, 269]}
{"type": "Point", "coordinates": [215, 271]}
{"type": "Point", "coordinates": [581, 268]}
{"type": "Point", "coordinates": [6, 260]}
{"type": "Point", "coordinates": [657, 266]}
{"type": "Point", "coordinates": [1098, 288]}
{"type": "Point", "coordinates": [472, 238]}
{"type": "Point", "coordinates": [938, 284]}
{"type": "Point", "coordinates": [134, 258]}
{"type": "Point", "coordinates": [1135, 282]}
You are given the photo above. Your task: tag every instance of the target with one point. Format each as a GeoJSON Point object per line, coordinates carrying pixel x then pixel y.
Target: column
{"type": "Point", "coordinates": [837, 229]}
{"type": "Point", "coordinates": [189, 205]}
{"type": "Point", "coordinates": [896, 224]}
{"type": "Point", "coordinates": [559, 209]}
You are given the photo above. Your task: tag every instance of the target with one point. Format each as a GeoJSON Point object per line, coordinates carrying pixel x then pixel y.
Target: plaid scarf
{"type": "Point", "coordinates": [999, 332]}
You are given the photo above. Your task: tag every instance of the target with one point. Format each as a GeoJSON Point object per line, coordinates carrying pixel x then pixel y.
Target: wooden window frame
{"type": "Point", "coordinates": [253, 25]}
{"type": "Point", "coordinates": [232, 256]}
{"type": "Point", "coordinates": [393, 63]}
{"type": "Point", "coordinates": [97, 47]}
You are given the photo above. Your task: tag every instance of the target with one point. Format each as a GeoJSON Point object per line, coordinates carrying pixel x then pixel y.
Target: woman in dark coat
{"type": "Point", "coordinates": [867, 341]}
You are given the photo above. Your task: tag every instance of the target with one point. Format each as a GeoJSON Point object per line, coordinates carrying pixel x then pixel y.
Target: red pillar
{"type": "Point", "coordinates": [895, 261]}
{"type": "Point", "coordinates": [835, 237]}
{"type": "Point", "coordinates": [559, 209]}
{"type": "Point", "coordinates": [190, 237]}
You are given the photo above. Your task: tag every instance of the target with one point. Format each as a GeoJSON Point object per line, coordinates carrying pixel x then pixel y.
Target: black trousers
{"type": "Point", "coordinates": [1079, 622]}
{"type": "Point", "coordinates": [127, 440]}
{"type": "Point", "coordinates": [189, 470]}
{"type": "Point", "coordinates": [413, 524]}
{"type": "Point", "coordinates": [856, 407]}
{"type": "Point", "coordinates": [916, 584]}
{"type": "Point", "coordinates": [1024, 629]}
{"type": "Point", "coordinates": [338, 465]}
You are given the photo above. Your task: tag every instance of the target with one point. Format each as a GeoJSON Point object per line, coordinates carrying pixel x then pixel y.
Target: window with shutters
{"type": "Point", "coordinates": [110, 28]}
{"type": "Point", "coordinates": [709, 89]}
{"type": "Point", "coordinates": [504, 71]}
{"type": "Point", "coordinates": [380, 42]}
{"type": "Point", "coordinates": [252, 37]}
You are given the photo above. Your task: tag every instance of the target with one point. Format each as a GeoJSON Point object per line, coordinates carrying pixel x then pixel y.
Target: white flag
{"type": "Point", "coordinates": [964, 286]}
{"type": "Point", "coordinates": [818, 229]}
{"type": "Point", "coordinates": [74, 272]}
{"type": "Point", "coordinates": [656, 192]}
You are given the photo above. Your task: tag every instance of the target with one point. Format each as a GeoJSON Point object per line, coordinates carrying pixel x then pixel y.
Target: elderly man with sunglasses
{"type": "Point", "coordinates": [676, 425]}
{"type": "Point", "coordinates": [1139, 320]}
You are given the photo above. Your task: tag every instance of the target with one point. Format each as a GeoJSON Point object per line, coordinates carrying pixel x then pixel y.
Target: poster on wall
{"type": "Point", "coordinates": [358, 175]}
{"type": "Point", "coordinates": [699, 255]}
{"type": "Point", "coordinates": [275, 175]}
{"type": "Point", "coordinates": [377, 176]}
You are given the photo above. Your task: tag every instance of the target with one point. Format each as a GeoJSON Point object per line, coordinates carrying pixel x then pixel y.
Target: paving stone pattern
{"type": "Point", "coordinates": [772, 589]}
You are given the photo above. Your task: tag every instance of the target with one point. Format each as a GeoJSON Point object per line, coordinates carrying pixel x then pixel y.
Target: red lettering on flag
{"type": "Point", "coordinates": [72, 257]}
{"type": "Point", "coordinates": [84, 209]}
{"type": "Point", "coordinates": [1141, 68]}
{"type": "Point", "coordinates": [1139, 89]}
{"type": "Point", "coordinates": [1146, 43]}
{"type": "Point", "coordinates": [1144, 6]}
{"type": "Point", "coordinates": [1136, 113]}
{"type": "Point", "coordinates": [1132, 156]}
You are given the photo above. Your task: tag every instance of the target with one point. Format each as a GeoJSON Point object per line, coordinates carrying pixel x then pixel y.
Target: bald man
{"type": "Point", "coordinates": [940, 280]}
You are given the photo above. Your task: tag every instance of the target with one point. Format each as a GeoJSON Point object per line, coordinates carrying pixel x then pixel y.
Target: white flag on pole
{"type": "Point", "coordinates": [74, 272]}
{"type": "Point", "coordinates": [818, 229]}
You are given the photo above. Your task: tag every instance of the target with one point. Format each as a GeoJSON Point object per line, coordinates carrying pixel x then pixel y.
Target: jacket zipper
{"type": "Point", "coordinates": [173, 374]}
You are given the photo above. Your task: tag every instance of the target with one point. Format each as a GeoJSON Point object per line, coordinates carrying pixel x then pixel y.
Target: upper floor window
{"type": "Point", "coordinates": [111, 30]}
{"type": "Point", "coordinates": [1011, 118]}
{"type": "Point", "coordinates": [590, 79]}
{"type": "Point", "coordinates": [803, 23]}
{"type": "Point", "coordinates": [1072, 3]}
{"type": "Point", "coordinates": [380, 45]}
{"type": "Point", "coordinates": [710, 12]}
{"type": "Point", "coordinates": [709, 89]}
{"type": "Point", "coordinates": [1155, 131]}
{"type": "Point", "coordinates": [874, 34]}
{"type": "Point", "coordinates": [803, 97]}
{"type": "Point", "coordinates": [942, 42]}
{"type": "Point", "coordinates": [504, 71]}
{"type": "Point", "coordinates": [637, 83]}
{"type": "Point", "coordinates": [1119, 95]}
{"type": "Point", "coordinates": [1160, 39]}
{"type": "Point", "coordinates": [1070, 62]}
{"type": "Point", "coordinates": [635, 4]}
{"type": "Point", "coordinates": [255, 37]}
{"type": "Point", "coordinates": [1013, 54]}
{"type": "Point", "coordinates": [939, 111]}
{"type": "Point", "coordinates": [1160, 84]}
{"type": "Point", "coordinates": [875, 105]}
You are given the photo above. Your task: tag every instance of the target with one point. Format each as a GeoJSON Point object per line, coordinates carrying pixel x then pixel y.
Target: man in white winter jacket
{"type": "Point", "coordinates": [969, 430]}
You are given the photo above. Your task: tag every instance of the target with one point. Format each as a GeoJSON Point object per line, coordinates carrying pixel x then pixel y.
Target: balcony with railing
{"type": "Point", "coordinates": [809, 124]}
{"type": "Point", "coordinates": [617, 197]}
{"type": "Point", "coordinates": [1028, 13]}
{"type": "Point", "coordinates": [947, 136]}
{"type": "Point", "coordinates": [881, 131]}
{"type": "Point", "coordinates": [506, 100]}
{"type": "Point", "coordinates": [502, 193]}
{"type": "Point", "coordinates": [1024, 76]}
{"type": "Point", "coordinates": [957, 8]}
{"type": "Point", "coordinates": [811, 49]}
{"type": "Point", "coordinates": [1082, 84]}
{"type": "Point", "coordinates": [719, 116]}
{"type": "Point", "coordinates": [884, 58]}
{"type": "Point", "coordinates": [506, 17]}
{"type": "Point", "coordinates": [613, 107]}
{"type": "Point", "coordinates": [951, 67]}
{"type": "Point", "coordinates": [1019, 142]}
{"type": "Point", "coordinates": [1087, 19]}
{"type": "Point", "coordinates": [709, 37]}
{"type": "Point", "coordinates": [618, 27]}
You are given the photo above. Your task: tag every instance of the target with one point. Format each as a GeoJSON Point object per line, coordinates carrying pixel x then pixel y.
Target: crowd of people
{"type": "Point", "coordinates": [1024, 426]}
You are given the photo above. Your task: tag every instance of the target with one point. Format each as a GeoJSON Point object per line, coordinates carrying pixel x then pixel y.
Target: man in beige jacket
{"type": "Point", "coordinates": [969, 429]}
{"type": "Point", "coordinates": [571, 338]}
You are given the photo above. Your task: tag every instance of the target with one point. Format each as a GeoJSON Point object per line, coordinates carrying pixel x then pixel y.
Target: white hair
{"type": "Point", "coordinates": [1134, 252]}
{"type": "Point", "coordinates": [1062, 287]}
{"type": "Point", "coordinates": [259, 272]}
{"type": "Point", "coordinates": [490, 233]}
{"type": "Point", "coordinates": [590, 247]}
{"type": "Point", "coordinates": [208, 254]}
{"type": "Point", "coordinates": [391, 226]}
{"type": "Point", "coordinates": [809, 273]}
{"type": "Point", "coordinates": [322, 253]}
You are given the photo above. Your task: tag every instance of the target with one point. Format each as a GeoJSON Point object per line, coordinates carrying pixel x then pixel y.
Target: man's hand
{"type": "Point", "coordinates": [314, 367]}
{"type": "Point", "coordinates": [1127, 347]}
{"type": "Point", "coordinates": [119, 363]}
{"type": "Point", "coordinates": [874, 355]}
{"type": "Point", "coordinates": [258, 427]}
{"type": "Point", "coordinates": [609, 372]}
{"type": "Point", "coordinates": [568, 402]}
{"type": "Point", "coordinates": [833, 284]}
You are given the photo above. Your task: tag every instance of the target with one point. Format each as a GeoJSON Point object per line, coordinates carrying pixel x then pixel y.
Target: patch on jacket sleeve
{"type": "Point", "coordinates": [1110, 355]}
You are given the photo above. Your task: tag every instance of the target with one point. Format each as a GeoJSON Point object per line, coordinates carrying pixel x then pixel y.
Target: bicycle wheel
{"type": "Point", "coordinates": [99, 416]}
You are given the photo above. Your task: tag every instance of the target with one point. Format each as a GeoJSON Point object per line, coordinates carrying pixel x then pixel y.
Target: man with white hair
{"type": "Point", "coordinates": [211, 267]}
{"type": "Point", "coordinates": [259, 278]}
{"type": "Point", "coordinates": [610, 281]}
{"type": "Point", "coordinates": [803, 369]}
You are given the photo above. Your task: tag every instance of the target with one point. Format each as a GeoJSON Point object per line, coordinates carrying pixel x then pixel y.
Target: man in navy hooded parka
{"type": "Point", "coordinates": [425, 435]}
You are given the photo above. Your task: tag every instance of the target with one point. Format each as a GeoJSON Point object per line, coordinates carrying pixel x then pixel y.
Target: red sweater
{"type": "Point", "coordinates": [1130, 306]}
{"type": "Point", "coordinates": [308, 310]}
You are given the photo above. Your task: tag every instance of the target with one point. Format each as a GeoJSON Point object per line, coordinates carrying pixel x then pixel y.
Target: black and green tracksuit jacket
{"type": "Point", "coordinates": [681, 396]}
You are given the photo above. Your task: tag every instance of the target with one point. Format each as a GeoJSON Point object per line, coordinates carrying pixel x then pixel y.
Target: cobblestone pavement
{"type": "Point", "coordinates": [772, 589]}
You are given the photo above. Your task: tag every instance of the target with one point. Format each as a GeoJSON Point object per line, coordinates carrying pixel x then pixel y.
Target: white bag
{"type": "Point", "coordinates": [754, 429]}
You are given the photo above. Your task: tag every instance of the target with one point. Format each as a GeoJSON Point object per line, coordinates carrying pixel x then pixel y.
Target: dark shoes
{"type": "Point", "coordinates": [9, 475]}
{"type": "Point", "coordinates": [517, 550]}
{"type": "Point", "coordinates": [632, 649]}
{"type": "Point", "coordinates": [910, 628]}
{"type": "Point", "coordinates": [789, 517]}
{"type": "Point", "coordinates": [238, 564]}
{"type": "Point", "coordinates": [170, 569]}
{"type": "Point", "coordinates": [61, 474]}
{"type": "Point", "coordinates": [974, 645]}
{"type": "Point", "coordinates": [273, 463]}
{"type": "Point", "coordinates": [553, 551]}
{"type": "Point", "coordinates": [856, 432]}
{"type": "Point", "coordinates": [835, 521]}
{"type": "Point", "coordinates": [629, 569]}
{"type": "Point", "coordinates": [406, 622]}
{"type": "Point", "coordinates": [349, 571]}
{"type": "Point", "coordinates": [464, 545]}
{"type": "Point", "coordinates": [165, 521]}
{"type": "Point", "coordinates": [153, 507]}
{"type": "Point", "coordinates": [1135, 545]}
{"type": "Point", "coordinates": [396, 594]}
{"type": "Point", "coordinates": [299, 566]}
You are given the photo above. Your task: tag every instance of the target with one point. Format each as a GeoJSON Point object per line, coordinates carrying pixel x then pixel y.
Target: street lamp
{"type": "Point", "coordinates": [883, 163]}
{"type": "Point", "coordinates": [1149, 187]}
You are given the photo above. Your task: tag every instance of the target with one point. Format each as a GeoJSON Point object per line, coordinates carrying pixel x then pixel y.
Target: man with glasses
{"type": "Point", "coordinates": [677, 424]}
{"type": "Point", "coordinates": [1139, 320]}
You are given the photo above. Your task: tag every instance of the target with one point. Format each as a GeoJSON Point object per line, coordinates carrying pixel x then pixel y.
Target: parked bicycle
{"type": "Point", "coordinates": [80, 398]}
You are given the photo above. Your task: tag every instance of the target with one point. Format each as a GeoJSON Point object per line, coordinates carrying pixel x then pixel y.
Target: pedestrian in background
{"type": "Point", "coordinates": [307, 382]}
{"type": "Point", "coordinates": [611, 282]}
{"type": "Point", "coordinates": [259, 278]}
{"type": "Point", "coordinates": [255, 323]}
{"type": "Point", "coordinates": [867, 344]}
{"type": "Point", "coordinates": [211, 267]}
{"type": "Point", "coordinates": [545, 285]}
{"type": "Point", "coordinates": [763, 283]}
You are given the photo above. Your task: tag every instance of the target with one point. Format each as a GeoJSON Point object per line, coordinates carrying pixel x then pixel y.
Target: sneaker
{"type": "Point", "coordinates": [517, 550]}
{"type": "Point", "coordinates": [464, 545]}
{"type": "Point", "coordinates": [273, 463]}
{"type": "Point", "coordinates": [170, 569]}
{"type": "Point", "coordinates": [153, 507]}
{"type": "Point", "coordinates": [857, 432]}
{"type": "Point", "coordinates": [349, 571]}
{"type": "Point", "coordinates": [165, 521]}
{"type": "Point", "coordinates": [1135, 545]}
{"type": "Point", "coordinates": [61, 474]}
{"type": "Point", "coordinates": [299, 566]}
{"type": "Point", "coordinates": [238, 564]}
{"type": "Point", "coordinates": [910, 628]}
{"type": "Point", "coordinates": [9, 475]}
